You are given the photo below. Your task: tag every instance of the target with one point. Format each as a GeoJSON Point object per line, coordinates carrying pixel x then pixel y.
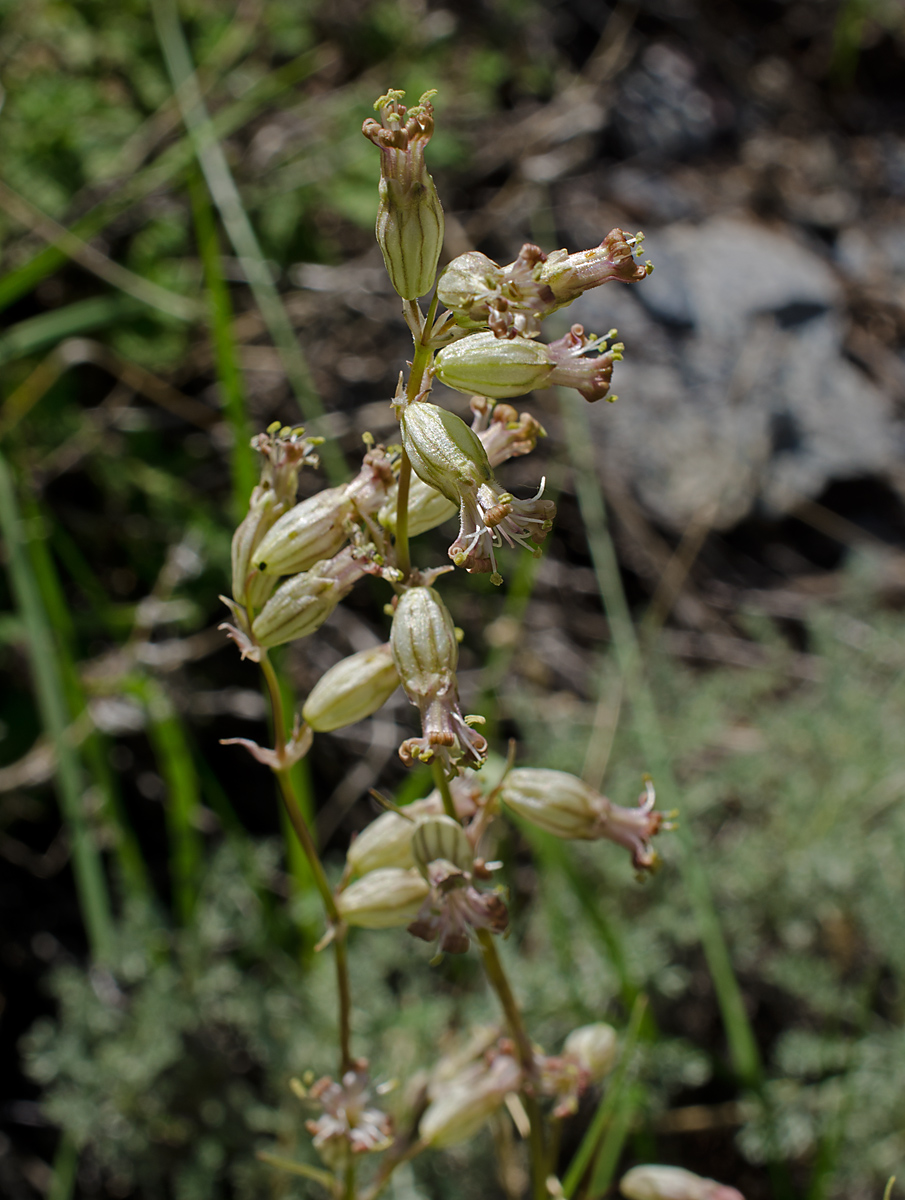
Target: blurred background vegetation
{"type": "Point", "coordinates": [186, 212]}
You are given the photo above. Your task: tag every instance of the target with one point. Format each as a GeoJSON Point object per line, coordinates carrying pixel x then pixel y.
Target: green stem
{"type": "Point", "coordinates": [443, 788]}
{"type": "Point", "coordinates": [420, 362]}
{"type": "Point", "coordinates": [303, 833]}
{"type": "Point", "coordinates": [390, 1165]}
{"type": "Point", "coordinates": [349, 1188]}
{"type": "Point", "coordinates": [499, 982]}
{"type": "Point", "coordinates": [88, 867]}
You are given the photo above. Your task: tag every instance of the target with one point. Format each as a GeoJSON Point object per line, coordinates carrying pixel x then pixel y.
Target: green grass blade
{"type": "Point", "coordinates": [742, 1044]}
{"type": "Point", "coordinates": [614, 1140]}
{"type": "Point", "coordinates": [183, 800]}
{"type": "Point", "coordinates": [38, 333]}
{"type": "Point", "coordinates": [608, 1105]}
{"type": "Point", "coordinates": [244, 466]}
{"type": "Point", "coordinates": [238, 227]}
{"type": "Point", "coordinates": [65, 1162]}
{"type": "Point", "coordinates": [91, 886]}
{"type": "Point", "coordinates": [133, 874]}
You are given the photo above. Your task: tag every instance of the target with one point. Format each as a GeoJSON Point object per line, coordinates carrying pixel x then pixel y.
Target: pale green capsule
{"type": "Point", "coordinates": [444, 452]}
{"type": "Point", "coordinates": [308, 533]}
{"type": "Point", "coordinates": [494, 367]}
{"type": "Point", "coordinates": [555, 801]}
{"type": "Point", "coordinates": [441, 837]}
{"type": "Point", "coordinates": [383, 899]}
{"type": "Point", "coordinates": [352, 690]}
{"type": "Point", "coordinates": [423, 639]}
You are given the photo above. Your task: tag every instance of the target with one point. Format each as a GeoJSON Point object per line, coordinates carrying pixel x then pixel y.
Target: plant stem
{"type": "Point", "coordinates": [443, 788]}
{"type": "Point", "coordinates": [303, 833]}
{"type": "Point", "coordinates": [420, 362]}
{"type": "Point", "coordinates": [349, 1188]}
{"type": "Point", "coordinates": [500, 984]}
{"type": "Point", "coordinates": [276, 703]}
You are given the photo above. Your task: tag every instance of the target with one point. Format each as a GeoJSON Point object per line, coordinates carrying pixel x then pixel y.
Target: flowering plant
{"type": "Point", "coordinates": [421, 868]}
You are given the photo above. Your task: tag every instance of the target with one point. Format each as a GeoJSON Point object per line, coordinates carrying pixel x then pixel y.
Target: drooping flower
{"type": "Point", "coordinates": [426, 652]}
{"type": "Point", "coordinates": [450, 457]}
{"type": "Point", "coordinates": [454, 905]}
{"type": "Point", "coordinates": [565, 806]}
{"type": "Point", "coordinates": [500, 369]}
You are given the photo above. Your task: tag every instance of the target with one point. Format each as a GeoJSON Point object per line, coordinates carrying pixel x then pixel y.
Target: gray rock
{"type": "Point", "coordinates": [735, 395]}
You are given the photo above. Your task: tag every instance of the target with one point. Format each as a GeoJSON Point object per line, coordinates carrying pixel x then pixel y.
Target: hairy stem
{"type": "Point", "coordinates": [499, 982]}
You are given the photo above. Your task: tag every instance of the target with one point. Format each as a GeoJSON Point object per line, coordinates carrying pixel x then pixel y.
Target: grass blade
{"type": "Point", "coordinates": [238, 227]}
{"type": "Point", "coordinates": [143, 291]}
{"type": "Point", "coordinates": [183, 801]}
{"type": "Point", "coordinates": [614, 1140]}
{"type": "Point", "coordinates": [65, 1162]}
{"type": "Point", "coordinates": [37, 333]}
{"type": "Point", "coordinates": [133, 874]}
{"type": "Point", "coordinates": [244, 467]}
{"type": "Point", "coordinates": [91, 886]}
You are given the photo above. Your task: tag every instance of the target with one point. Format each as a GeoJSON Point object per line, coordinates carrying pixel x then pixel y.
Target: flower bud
{"type": "Point", "coordinates": [563, 805]}
{"type": "Point", "coordinates": [352, 690]}
{"type": "Point", "coordinates": [302, 604]}
{"type": "Point", "coordinates": [387, 841]}
{"type": "Point", "coordinates": [410, 216]}
{"type": "Point", "coordinates": [308, 533]}
{"type": "Point", "coordinates": [383, 899]}
{"type": "Point", "coordinates": [494, 367]}
{"type": "Point", "coordinates": [672, 1183]}
{"type": "Point", "coordinates": [444, 452]}
{"type": "Point", "coordinates": [460, 1106]}
{"type": "Point", "coordinates": [426, 651]}
{"type": "Point", "coordinates": [593, 1047]}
